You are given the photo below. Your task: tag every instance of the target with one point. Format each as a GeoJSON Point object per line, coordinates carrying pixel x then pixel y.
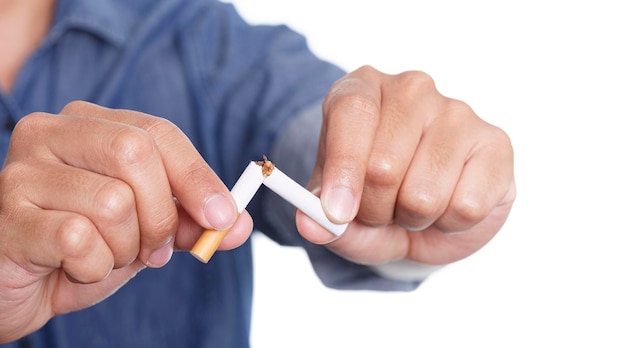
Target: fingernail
{"type": "Point", "coordinates": [161, 256]}
{"type": "Point", "coordinates": [340, 204]}
{"type": "Point", "coordinates": [220, 212]}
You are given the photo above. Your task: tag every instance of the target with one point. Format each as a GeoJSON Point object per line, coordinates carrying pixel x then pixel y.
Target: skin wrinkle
{"type": "Point", "coordinates": [114, 201]}
{"type": "Point", "coordinates": [423, 210]}
{"type": "Point", "coordinates": [117, 212]}
{"type": "Point", "coordinates": [382, 171]}
{"type": "Point", "coordinates": [436, 165]}
{"type": "Point", "coordinates": [359, 104]}
{"type": "Point", "coordinates": [364, 114]}
{"type": "Point", "coordinates": [426, 201]}
{"type": "Point", "coordinates": [133, 148]}
{"type": "Point", "coordinates": [25, 130]}
{"type": "Point", "coordinates": [385, 168]}
{"type": "Point", "coordinates": [9, 179]}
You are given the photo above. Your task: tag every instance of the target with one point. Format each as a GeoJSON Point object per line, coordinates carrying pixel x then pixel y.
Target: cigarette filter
{"type": "Point", "coordinates": [243, 191]}
{"type": "Point", "coordinates": [255, 174]}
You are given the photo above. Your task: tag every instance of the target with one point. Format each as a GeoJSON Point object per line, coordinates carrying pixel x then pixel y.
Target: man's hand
{"type": "Point", "coordinates": [418, 175]}
{"type": "Point", "coordinates": [87, 200]}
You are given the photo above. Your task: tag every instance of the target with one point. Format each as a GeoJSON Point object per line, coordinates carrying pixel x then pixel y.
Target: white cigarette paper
{"type": "Point", "coordinates": [256, 174]}
{"type": "Point", "coordinates": [243, 191]}
{"type": "Point", "coordinates": [247, 185]}
{"type": "Point", "coordinates": [302, 199]}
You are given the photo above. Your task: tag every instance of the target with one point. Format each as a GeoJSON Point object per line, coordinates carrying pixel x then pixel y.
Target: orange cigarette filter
{"type": "Point", "coordinates": [207, 244]}
{"type": "Point", "coordinates": [243, 191]}
{"type": "Point", "coordinates": [256, 174]}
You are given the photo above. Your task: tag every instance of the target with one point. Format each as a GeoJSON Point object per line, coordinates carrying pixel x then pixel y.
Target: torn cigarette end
{"type": "Point", "coordinates": [243, 191]}
{"type": "Point", "coordinates": [302, 199]}
{"type": "Point", "coordinates": [207, 244]}
{"type": "Point", "coordinates": [266, 166]}
{"type": "Point", "coordinates": [245, 188]}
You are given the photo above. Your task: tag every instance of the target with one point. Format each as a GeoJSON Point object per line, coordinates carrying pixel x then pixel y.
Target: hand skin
{"type": "Point", "coordinates": [87, 195]}
{"type": "Point", "coordinates": [87, 202]}
{"type": "Point", "coordinates": [419, 176]}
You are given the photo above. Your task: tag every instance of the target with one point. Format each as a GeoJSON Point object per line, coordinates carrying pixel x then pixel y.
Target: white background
{"type": "Point", "coordinates": [553, 75]}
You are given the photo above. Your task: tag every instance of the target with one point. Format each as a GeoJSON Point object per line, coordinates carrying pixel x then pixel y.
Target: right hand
{"type": "Point", "coordinates": [87, 202]}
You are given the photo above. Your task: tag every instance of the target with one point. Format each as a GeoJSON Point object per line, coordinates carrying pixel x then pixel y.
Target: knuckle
{"type": "Point", "coordinates": [114, 201]}
{"type": "Point", "coordinates": [75, 107]}
{"type": "Point", "coordinates": [415, 82]}
{"type": "Point", "coordinates": [25, 127]}
{"type": "Point", "coordinates": [459, 109]}
{"type": "Point", "coordinates": [422, 206]}
{"type": "Point", "coordinates": [383, 171]}
{"type": "Point", "coordinates": [501, 138]}
{"type": "Point", "coordinates": [356, 104]}
{"type": "Point", "coordinates": [132, 147]}
{"type": "Point", "coordinates": [75, 236]}
{"type": "Point", "coordinates": [366, 70]}
{"type": "Point", "coordinates": [159, 127]}
{"type": "Point", "coordinates": [11, 177]}
{"type": "Point", "coordinates": [468, 210]}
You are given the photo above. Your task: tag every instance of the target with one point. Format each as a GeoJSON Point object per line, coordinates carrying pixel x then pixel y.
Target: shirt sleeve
{"type": "Point", "coordinates": [252, 79]}
{"type": "Point", "coordinates": [265, 87]}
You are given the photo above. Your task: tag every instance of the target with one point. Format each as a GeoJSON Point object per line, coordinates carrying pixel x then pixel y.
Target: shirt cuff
{"type": "Point", "coordinates": [405, 270]}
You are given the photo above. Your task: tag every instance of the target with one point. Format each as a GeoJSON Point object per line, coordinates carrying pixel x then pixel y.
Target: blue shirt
{"type": "Point", "coordinates": [230, 87]}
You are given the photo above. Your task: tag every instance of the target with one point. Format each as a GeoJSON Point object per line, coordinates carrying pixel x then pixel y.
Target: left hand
{"type": "Point", "coordinates": [419, 176]}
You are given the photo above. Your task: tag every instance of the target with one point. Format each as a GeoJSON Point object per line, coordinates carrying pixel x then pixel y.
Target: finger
{"type": "Point", "coordinates": [408, 101]}
{"type": "Point", "coordinates": [436, 168]}
{"type": "Point", "coordinates": [193, 182]}
{"type": "Point", "coordinates": [59, 239]}
{"type": "Point", "coordinates": [312, 230]}
{"type": "Point", "coordinates": [433, 247]}
{"type": "Point", "coordinates": [195, 185]}
{"type": "Point", "coordinates": [109, 203]}
{"type": "Point", "coordinates": [189, 232]}
{"type": "Point", "coordinates": [351, 117]}
{"type": "Point", "coordinates": [484, 184]}
{"type": "Point", "coordinates": [119, 151]}
{"type": "Point", "coordinates": [359, 243]}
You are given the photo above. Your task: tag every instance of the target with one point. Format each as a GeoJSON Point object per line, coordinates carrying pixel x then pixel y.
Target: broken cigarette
{"type": "Point", "coordinates": [255, 174]}
{"type": "Point", "coordinates": [243, 191]}
{"type": "Point", "coordinates": [302, 199]}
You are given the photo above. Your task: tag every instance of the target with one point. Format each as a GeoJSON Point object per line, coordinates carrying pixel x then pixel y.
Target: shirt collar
{"type": "Point", "coordinates": [100, 18]}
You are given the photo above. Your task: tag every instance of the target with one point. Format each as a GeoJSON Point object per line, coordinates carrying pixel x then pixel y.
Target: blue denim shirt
{"type": "Point", "coordinates": [230, 87]}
